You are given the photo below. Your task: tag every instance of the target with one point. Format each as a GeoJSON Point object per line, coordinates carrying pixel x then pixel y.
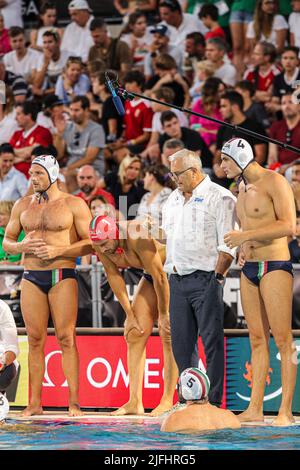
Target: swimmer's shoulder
{"type": "Point", "coordinates": [75, 202]}
{"type": "Point", "coordinates": [272, 180]}
{"type": "Point", "coordinates": [22, 203]}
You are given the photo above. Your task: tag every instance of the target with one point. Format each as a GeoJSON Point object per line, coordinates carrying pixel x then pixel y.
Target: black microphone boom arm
{"type": "Point", "coordinates": [126, 95]}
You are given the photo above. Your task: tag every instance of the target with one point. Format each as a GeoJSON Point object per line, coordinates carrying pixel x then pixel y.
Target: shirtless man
{"type": "Point", "coordinates": [125, 245]}
{"type": "Point", "coordinates": [266, 210]}
{"type": "Point", "coordinates": [198, 414]}
{"type": "Point", "coordinates": [56, 225]}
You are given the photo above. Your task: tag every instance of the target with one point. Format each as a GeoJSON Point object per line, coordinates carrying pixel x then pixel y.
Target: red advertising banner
{"type": "Point", "coordinates": [103, 373]}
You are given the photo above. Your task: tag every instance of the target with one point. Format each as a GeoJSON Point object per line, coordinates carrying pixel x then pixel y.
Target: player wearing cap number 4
{"type": "Point", "coordinates": [56, 225]}
{"type": "Point", "coordinates": [198, 414]}
{"type": "Point", "coordinates": [266, 211]}
{"type": "Point", "coordinates": [128, 245]}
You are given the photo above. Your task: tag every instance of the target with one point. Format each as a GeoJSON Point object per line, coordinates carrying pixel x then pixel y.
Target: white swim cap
{"type": "Point", "coordinates": [50, 164]}
{"type": "Point", "coordinates": [193, 384]}
{"type": "Point", "coordinates": [240, 151]}
{"type": "Point", "coordinates": [4, 407]}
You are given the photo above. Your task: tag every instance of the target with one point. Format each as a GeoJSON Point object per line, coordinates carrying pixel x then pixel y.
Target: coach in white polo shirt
{"type": "Point", "coordinates": [196, 217]}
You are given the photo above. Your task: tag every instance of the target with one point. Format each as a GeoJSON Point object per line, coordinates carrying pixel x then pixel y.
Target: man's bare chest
{"type": "Point", "coordinates": [253, 203]}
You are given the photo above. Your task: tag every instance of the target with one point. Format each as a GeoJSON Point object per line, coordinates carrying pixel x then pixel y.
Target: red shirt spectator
{"type": "Point", "coordinates": [137, 119]}
{"type": "Point", "coordinates": [280, 131]}
{"type": "Point", "coordinates": [31, 135]}
{"type": "Point", "coordinates": [262, 81]}
{"type": "Point", "coordinates": [98, 192]}
{"type": "Point", "coordinates": [215, 33]}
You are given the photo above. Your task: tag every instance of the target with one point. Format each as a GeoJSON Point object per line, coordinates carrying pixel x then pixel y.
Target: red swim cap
{"type": "Point", "coordinates": [103, 228]}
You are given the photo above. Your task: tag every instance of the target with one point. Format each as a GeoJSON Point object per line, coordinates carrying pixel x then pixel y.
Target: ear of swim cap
{"type": "Point", "coordinates": [193, 384]}
{"type": "Point", "coordinates": [50, 164]}
{"type": "Point", "coordinates": [103, 227]}
{"type": "Point", "coordinates": [4, 407]}
{"type": "Point", "coordinates": [240, 151]}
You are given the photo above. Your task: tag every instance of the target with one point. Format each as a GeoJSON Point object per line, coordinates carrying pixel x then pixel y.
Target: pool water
{"type": "Point", "coordinates": [138, 435]}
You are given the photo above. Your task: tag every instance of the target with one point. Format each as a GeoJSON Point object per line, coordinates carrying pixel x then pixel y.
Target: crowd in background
{"type": "Point", "coordinates": [236, 61]}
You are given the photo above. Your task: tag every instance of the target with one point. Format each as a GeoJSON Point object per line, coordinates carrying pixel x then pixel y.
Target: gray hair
{"type": "Point", "coordinates": [188, 158]}
{"type": "Point", "coordinates": [173, 144]}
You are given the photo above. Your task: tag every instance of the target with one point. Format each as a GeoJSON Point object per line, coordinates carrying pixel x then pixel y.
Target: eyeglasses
{"type": "Point", "coordinates": [76, 138]}
{"type": "Point", "coordinates": [288, 137]}
{"type": "Point", "coordinates": [175, 174]}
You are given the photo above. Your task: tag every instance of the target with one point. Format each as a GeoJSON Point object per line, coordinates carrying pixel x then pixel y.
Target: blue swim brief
{"type": "Point", "coordinates": [45, 280]}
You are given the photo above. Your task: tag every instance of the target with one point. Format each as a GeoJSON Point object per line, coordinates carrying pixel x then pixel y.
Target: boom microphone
{"type": "Point", "coordinates": [116, 99]}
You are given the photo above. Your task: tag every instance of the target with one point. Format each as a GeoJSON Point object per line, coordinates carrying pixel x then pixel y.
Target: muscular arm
{"type": "Point", "coordinates": [147, 251]}
{"type": "Point", "coordinates": [116, 282]}
{"type": "Point", "coordinates": [223, 263]}
{"type": "Point", "coordinates": [13, 230]}
{"type": "Point", "coordinates": [284, 206]}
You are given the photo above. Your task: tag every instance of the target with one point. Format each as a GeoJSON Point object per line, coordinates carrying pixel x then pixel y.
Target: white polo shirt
{"type": "Point", "coordinates": [8, 331]}
{"type": "Point", "coordinates": [78, 40]}
{"type": "Point", "coordinates": [195, 229]}
{"type": "Point", "coordinates": [190, 24]}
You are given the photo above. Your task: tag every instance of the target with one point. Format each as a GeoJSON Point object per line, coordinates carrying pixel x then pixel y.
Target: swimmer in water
{"type": "Point", "coordinates": [56, 225]}
{"type": "Point", "coordinates": [123, 245]}
{"type": "Point", "coordinates": [267, 215]}
{"type": "Point", "coordinates": [198, 414]}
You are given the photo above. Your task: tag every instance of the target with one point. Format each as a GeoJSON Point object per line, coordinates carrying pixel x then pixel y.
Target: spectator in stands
{"type": "Point", "coordinates": [137, 120]}
{"type": "Point", "coordinates": [167, 75]}
{"type": "Point", "coordinates": [215, 52]}
{"type": "Point", "coordinates": [294, 24]}
{"type": "Point", "coordinates": [126, 186]}
{"type": "Point", "coordinates": [191, 139]}
{"type": "Point", "coordinates": [21, 60]}
{"type": "Point", "coordinates": [156, 182]}
{"type": "Point", "coordinates": [194, 53]}
{"type": "Point", "coordinates": [252, 109]}
{"type": "Point", "coordinates": [4, 38]}
{"type": "Point", "coordinates": [179, 23]}
{"type": "Point", "coordinates": [161, 45]}
{"type": "Point", "coordinates": [138, 38]}
{"type": "Point", "coordinates": [267, 26]}
{"type": "Point", "coordinates": [170, 146]}
{"type": "Point", "coordinates": [110, 118]}
{"type": "Point", "coordinates": [208, 104]}
{"type": "Point", "coordinates": [284, 82]}
{"type": "Point", "coordinates": [73, 81]}
{"type": "Point", "coordinates": [114, 53]}
{"type": "Point", "coordinates": [12, 13]}
{"type": "Point", "coordinates": [47, 22]}
{"type": "Point", "coordinates": [204, 70]}
{"type": "Point", "coordinates": [77, 35]}
{"type": "Point", "coordinates": [286, 130]}
{"type": "Point", "coordinates": [5, 211]}
{"type": "Point", "coordinates": [231, 108]}
{"type": "Point", "coordinates": [100, 206]}
{"type": "Point", "coordinates": [209, 15]}
{"type": "Point", "coordinates": [264, 70]}
{"type": "Point", "coordinates": [13, 184]}
{"type": "Point", "coordinates": [31, 135]}
{"type": "Point", "coordinates": [87, 180]}
{"type": "Point", "coordinates": [52, 107]}
{"type": "Point", "coordinates": [83, 141]}
{"type": "Point", "coordinates": [50, 65]}
{"type": "Point", "coordinates": [240, 16]}
{"type": "Point", "coordinates": [17, 84]}
{"type": "Point", "coordinates": [165, 95]}
{"type": "Point", "coordinates": [8, 123]}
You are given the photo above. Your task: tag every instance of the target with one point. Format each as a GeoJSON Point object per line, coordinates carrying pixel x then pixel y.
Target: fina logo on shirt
{"type": "Point", "coordinates": [199, 199]}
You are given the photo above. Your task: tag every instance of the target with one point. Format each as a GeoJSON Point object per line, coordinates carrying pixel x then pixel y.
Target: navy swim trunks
{"type": "Point", "coordinates": [45, 280]}
{"type": "Point", "coordinates": [255, 270]}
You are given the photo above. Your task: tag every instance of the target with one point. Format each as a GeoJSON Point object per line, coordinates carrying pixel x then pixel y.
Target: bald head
{"type": "Point", "coordinates": [87, 178]}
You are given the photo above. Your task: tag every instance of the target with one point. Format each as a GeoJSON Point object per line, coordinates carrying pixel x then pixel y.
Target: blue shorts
{"type": "Point", "coordinates": [255, 270]}
{"type": "Point", "coordinates": [45, 280]}
{"type": "Point", "coordinates": [240, 16]}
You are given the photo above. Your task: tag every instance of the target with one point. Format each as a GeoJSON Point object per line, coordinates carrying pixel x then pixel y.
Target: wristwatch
{"type": "Point", "coordinates": [219, 277]}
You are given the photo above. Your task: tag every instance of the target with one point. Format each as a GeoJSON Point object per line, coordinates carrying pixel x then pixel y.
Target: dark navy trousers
{"type": "Point", "coordinates": [196, 309]}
